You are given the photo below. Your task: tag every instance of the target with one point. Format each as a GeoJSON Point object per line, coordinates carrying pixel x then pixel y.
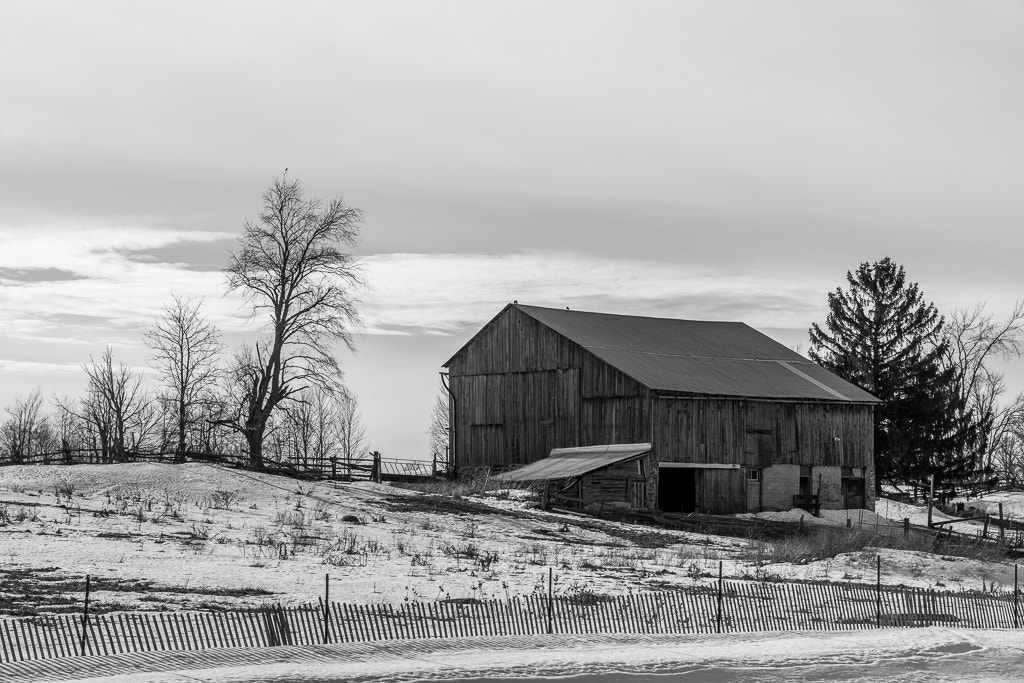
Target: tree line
{"type": "Point", "coordinates": [280, 397]}
{"type": "Point", "coordinates": [944, 409]}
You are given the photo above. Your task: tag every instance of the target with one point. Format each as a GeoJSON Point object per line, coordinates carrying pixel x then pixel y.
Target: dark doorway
{"type": "Point", "coordinates": [677, 489]}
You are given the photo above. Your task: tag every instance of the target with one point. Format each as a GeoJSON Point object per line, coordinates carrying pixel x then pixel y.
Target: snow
{"type": "Point", "coordinates": [1013, 504]}
{"type": "Point", "coordinates": [208, 536]}
{"type": "Point", "coordinates": [933, 654]}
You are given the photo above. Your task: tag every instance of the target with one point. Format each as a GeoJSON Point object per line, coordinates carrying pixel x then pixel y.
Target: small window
{"type": "Point", "coordinates": [753, 475]}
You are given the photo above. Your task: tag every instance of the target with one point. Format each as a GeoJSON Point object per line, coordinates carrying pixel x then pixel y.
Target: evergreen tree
{"type": "Point", "coordinates": [882, 336]}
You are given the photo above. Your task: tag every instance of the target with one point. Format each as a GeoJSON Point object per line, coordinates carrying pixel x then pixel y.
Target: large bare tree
{"type": "Point", "coordinates": [185, 346]}
{"type": "Point", "coordinates": [294, 266]}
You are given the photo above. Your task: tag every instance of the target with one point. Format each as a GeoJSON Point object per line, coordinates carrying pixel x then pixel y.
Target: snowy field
{"type": "Point", "coordinates": [194, 536]}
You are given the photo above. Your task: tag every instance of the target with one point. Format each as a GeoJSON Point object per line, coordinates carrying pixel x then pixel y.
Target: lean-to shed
{"type": "Point", "coordinates": [735, 421]}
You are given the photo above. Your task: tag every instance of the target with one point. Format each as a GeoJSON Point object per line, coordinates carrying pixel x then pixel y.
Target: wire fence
{"type": "Point", "coordinates": [724, 607]}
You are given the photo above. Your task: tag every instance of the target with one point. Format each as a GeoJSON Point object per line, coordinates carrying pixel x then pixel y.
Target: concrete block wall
{"type": "Point", "coordinates": [753, 495]}
{"type": "Point", "coordinates": [779, 483]}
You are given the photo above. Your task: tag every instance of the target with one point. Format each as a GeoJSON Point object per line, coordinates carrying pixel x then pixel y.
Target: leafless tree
{"type": "Point", "coordinates": [293, 267]}
{"type": "Point", "coordinates": [115, 404]}
{"type": "Point", "coordinates": [352, 443]}
{"type": "Point", "coordinates": [185, 346]}
{"type": "Point", "coordinates": [70, 430]}
{"type": "Point", "coordinates": [439, 422]}
{"type": "Point", "coordinates": [26, 432]}
{"type": "Point", "coordinates": [975, 338]}
{"type": "Point", "coordinates": [1007, 443]}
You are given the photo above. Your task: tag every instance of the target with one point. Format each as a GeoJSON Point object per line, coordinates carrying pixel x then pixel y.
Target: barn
{"type": "Point", "coordinates": [676, 415]}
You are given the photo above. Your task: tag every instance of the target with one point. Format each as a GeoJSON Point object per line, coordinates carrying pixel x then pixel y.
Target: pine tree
{"type": "Point", "coordinates": [882, 336]}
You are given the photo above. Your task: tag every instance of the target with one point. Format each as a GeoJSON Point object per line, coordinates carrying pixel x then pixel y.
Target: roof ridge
{"type": "Point", "coordinates": [801, 359]}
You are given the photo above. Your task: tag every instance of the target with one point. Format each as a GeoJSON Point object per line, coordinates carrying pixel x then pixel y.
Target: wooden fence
{"type": "Point", "coordinates": [728, 606]}
{"type": "Point", "coordinates": [373, 466]}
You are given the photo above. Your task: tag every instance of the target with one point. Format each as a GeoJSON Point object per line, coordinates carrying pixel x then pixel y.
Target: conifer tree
{"type": "Point", "coordinates": [881, 335]}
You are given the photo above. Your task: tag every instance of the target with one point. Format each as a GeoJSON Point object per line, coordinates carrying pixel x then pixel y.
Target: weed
{"type": "Point", "coordinates": [486, 559]}
{"type": "Point", "coordinates": [321, 512]}
{"type": "Point", "coordinates": [64, 488]}
{"type": "Point", "coordinates": [223, 500]}
{"type": "Point", "coordinates": [200, 532]}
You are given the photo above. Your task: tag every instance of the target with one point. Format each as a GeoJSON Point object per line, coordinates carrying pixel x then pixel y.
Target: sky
{"type": "Point", "coordinates": [718, 160]}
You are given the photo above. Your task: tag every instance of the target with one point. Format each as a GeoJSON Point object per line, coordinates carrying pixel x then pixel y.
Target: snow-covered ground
{"type": "Point", "coordinates": [927, 654]}
{"type": "Point", "coordinates": [158, 536]}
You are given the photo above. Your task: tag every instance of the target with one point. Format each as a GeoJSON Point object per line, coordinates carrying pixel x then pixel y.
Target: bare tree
{"type": "Point", "coordinates": [974, 339]}
{"type": "Point", "coordinates": [27, 431]}
{"type": "Point", "coordinates": [115, 404]}
{"type": "Point", "coordinates": [292, 266]}
{"type": "Point", "coordinates": [70, 430]}
{"type": "Point", "coordinates": [352, 444]}
{"type": "Point", "coordinates": [439, 425]}
{"type": "Point", "coordinates": [185, 348]}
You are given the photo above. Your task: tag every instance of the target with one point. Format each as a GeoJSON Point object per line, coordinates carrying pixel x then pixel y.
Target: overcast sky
{"type": "Point", "coordinates": [705, 160]}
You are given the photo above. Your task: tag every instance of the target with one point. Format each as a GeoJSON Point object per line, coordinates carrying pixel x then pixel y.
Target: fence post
{"type": "Point", "coordinates": [1002, 532]}
{"type": "Point", "coordinates": [931, 497]}
{"type": "Point", "coordinates": [327, 608]}
{"type": "Point", "coordinates": [85, 619]}
{"type": "Point", "coordinates": [718, 623]}
{"type": "Point", "coordinates": [551, 573]}
{"type": "Point", "coordinates": [1016, 598]}
{"type": "Point", "coordinates": [878, 591]}
{"type": "Point", "coordinates": [906, 527]}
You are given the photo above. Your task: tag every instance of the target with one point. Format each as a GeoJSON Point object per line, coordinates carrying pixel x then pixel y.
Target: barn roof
{"type": "Point", "coordinates": [565, 463]}
{"type": "Point", "coordinates": [698, 357]}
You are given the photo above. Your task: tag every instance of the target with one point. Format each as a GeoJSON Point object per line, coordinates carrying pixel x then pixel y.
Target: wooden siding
{"type": "Point", "coordinates": [520, 391]}
{"type": "Point", "coordinates": [721, 491]}
{"type": "Point", "coordinates": [515, 342]}
{"type": "Point", "coordinates": [612, 487]}
{"type": "Point", "coordinates": [762, 433]}
{"type": "Point", "coordinates": [515, 418]}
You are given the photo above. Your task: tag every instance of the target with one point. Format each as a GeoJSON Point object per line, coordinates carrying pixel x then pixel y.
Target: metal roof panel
{"type": "Point", "coordinates": [565, 463]}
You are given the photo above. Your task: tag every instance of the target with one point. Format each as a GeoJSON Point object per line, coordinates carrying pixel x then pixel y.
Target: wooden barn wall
{"type": "Point", "coordinates": [762, 433]}
{"type": "Point", "coordinates": [514, 418]}
{"type": "Point", "coordinates": [522, 389]}
{"type": "Point", "coordinates": [720, 491]}
{"type": "Point", "coordinates": [613, 487]}
{"type": "Point", "coordinates": [515, 342]}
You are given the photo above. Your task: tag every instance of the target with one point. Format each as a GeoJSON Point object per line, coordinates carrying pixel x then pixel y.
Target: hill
{"type": "Point", "coordinates": [196, 536]}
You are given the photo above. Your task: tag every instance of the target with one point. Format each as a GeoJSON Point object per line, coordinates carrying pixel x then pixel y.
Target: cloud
{"type": "Point", "coordinates": [447, 293]}
{"type": "Point", "coordinates": [35, 369]}
{"type": "Point", "coordinates": [14, 276]}
{"type": "Point", "coordinates": [85, 283]}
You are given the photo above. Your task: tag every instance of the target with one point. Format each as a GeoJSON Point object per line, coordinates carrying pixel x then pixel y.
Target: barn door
{"type": "Point", "coordinates": [721, 491]}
